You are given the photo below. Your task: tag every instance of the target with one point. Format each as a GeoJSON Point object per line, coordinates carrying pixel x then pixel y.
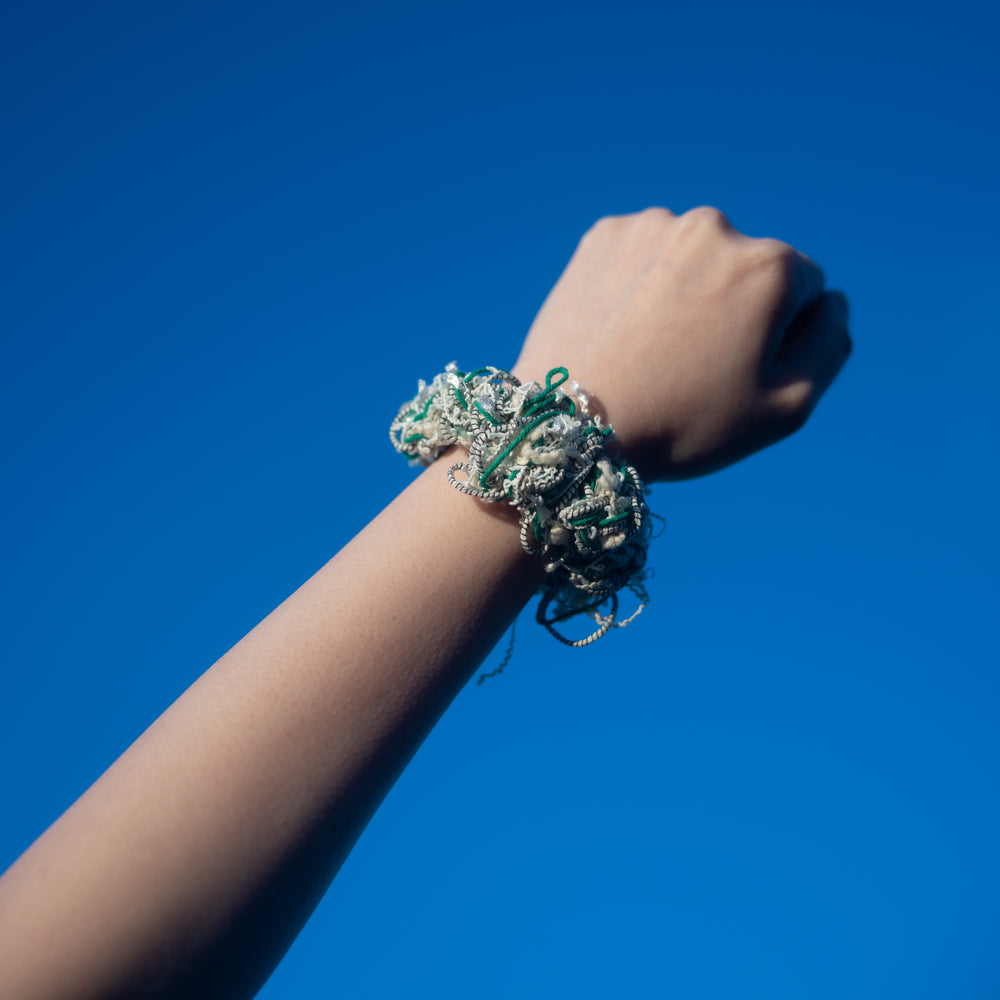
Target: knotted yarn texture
{"type": "Point", "coordinates": [538, 449]}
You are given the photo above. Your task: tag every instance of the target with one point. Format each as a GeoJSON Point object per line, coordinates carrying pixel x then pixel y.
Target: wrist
{"type": "Point", "coordinates": [538, 448]}
{"type": "Point", "coordinates": [626, 443]}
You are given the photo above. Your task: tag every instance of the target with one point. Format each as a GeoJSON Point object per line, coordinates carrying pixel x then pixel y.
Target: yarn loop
{"type": "Point", "coordinates": [538, 449]}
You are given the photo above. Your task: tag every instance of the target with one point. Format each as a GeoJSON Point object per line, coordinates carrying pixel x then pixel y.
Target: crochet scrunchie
{"type": "Point", "coordinates": [540, 451]}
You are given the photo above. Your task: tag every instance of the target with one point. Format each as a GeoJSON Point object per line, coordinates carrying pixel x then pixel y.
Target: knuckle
{"type": "Point", "coordinates": [655, 214]}
{"type": "Point", "coordinates": [706, 215]}
{"type": "Point", "coordinates": [794, 405]}
{"type": "Point", "coordinates": [601, 229]}
{"type": "Point", "coordinates": [650, 223]}
{"type": "Point", "coordinates": [609, 223]}
{"type": "Point", "coordinates": [775, 263]}
{"type": "Point", "coordinates": [777, 254]}
{"type": "Point", "coordinates": [650, 220]}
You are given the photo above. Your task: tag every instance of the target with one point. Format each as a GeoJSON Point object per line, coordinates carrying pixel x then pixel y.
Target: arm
{"type": "Point", "coordinates": [196, 859]}
{"type": "Point", "coordinates": [190, 866]}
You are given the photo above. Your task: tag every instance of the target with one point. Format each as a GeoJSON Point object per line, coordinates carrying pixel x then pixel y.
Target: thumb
{"type": "Point", "coordinates": [815, 346]}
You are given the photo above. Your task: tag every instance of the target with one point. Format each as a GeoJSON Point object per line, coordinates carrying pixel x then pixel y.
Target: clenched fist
{"type": "Point", "coordinates": [699, 344]}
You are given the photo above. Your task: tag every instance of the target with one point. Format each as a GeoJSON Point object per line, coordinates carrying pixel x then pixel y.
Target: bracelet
{"type": "Point", "coordinates": [539, 450]}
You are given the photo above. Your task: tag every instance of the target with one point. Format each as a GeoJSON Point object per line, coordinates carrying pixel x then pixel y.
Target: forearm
{"type": "Point", "coordinates": [187, 870]}
{"type": "Point", "coordinates": [199, 855]}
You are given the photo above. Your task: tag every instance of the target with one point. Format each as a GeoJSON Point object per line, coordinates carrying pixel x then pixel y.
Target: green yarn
{"type": "Point", "coordinates": [538, 449]}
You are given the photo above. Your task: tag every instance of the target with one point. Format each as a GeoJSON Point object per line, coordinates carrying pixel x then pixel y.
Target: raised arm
{"type": "Point", "coordinates": [190, 866]}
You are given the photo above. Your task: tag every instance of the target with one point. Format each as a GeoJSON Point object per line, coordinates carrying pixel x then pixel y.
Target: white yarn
{"type": "Point", "coordinates": [539, 449]}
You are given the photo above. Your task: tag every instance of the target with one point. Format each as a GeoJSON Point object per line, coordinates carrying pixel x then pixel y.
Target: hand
{"type": "Point", "coordinates": [699, 344]}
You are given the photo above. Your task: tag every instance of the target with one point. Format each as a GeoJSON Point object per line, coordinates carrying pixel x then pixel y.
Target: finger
{"type": "Point", "coordinates": [815, 348]}
{"type": "Point", "coordinates": [802, 282]}
{"type": "Point", "coordinates": [808, 280]}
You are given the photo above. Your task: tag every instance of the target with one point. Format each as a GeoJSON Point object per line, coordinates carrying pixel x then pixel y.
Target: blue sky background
{"type": "Point", "coordinates": [234, 236]}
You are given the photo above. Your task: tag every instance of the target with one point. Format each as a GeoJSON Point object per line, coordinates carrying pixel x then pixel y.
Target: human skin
{"type": "Point", "coordinates": [701, 344]}
{"type": "Point", "coordinates": [192, 863]}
